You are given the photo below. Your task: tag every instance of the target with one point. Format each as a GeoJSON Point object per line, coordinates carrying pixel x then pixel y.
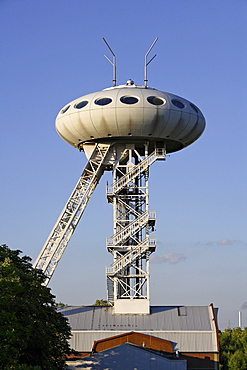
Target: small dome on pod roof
{"type": "Point", "coordinates": [131, 113]}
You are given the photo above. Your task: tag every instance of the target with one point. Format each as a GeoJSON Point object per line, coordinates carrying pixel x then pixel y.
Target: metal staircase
{"type": "Point", "coordinates": [131, 246]}
{"type": "Point", "coordinates": [130, 256]}
{"type": "Point", "coordinates": [117, 186]}
{"type": "Point", "coordinates": [132, 228]}
{"type": "Point", "coordinates": [60, 235]}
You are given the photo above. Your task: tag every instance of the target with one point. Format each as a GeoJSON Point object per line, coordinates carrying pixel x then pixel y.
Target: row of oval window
{"type": "Point", "coordinates": [155, 100]}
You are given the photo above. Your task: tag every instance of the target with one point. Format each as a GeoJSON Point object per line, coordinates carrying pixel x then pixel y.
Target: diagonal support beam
{"type": "Point", "coordinates": [117, 186]}
{"type": "Point", "coordinates": [60, 235]}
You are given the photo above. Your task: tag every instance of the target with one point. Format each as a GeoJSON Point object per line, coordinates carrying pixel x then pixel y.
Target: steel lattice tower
{"type": "Point", "coordinates": [131, 245]}
{"type": "Point", "coordinates": [123, 129]}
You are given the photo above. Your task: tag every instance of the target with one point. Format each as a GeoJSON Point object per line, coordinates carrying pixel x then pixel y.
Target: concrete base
{"type": "Point", "coordinates": [132, 306]}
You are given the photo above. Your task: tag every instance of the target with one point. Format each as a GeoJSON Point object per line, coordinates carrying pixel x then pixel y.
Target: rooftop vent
{"type": "Point", "coordinates": [130, 82]}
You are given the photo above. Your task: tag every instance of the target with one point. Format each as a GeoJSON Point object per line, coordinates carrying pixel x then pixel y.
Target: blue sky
{"type": "Point", "coordinates": [51, 53]}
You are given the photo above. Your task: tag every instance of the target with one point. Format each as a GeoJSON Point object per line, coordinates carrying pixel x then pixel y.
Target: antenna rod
{"type": "Point", "coordinates": [146, 63]}
{"type": "Point", "coordinates": [112, 63]}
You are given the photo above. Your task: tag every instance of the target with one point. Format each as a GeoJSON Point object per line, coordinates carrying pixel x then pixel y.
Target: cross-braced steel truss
{"type": "Point", "coordinates": [61, 233]}
{"type": "Point", "coordinates": [131, 245]}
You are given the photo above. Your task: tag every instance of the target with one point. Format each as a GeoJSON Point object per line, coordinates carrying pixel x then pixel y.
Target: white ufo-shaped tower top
{"type": "Point", "coordinates": [131, 113]}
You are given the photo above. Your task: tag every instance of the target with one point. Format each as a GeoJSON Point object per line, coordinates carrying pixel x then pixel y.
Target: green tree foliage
{"type": "Point", "coordinates": [233, 349]}
{"type": "Point", "coordinates": [101, 302]}
{"type": "Point", "coordinates": [33, 335]}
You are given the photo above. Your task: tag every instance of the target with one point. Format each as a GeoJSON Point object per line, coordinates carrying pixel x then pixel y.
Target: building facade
{"type": "Point", "coordinates": [191, 330]}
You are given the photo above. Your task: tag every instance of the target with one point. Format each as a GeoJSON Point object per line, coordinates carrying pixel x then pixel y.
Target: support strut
{"type": "Point", "coordinates": [60, 235]}
{"type": "Point", "coordinates": [131, 245]}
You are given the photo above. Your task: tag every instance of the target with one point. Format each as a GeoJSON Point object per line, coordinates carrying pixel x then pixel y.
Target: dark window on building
{"type": "Point", "coordinates": [194, 107]}
{"type": "Point", "coordinates": [103, 101]}
{"type": "Point", "coordinates": [155, 100]}
{"type": "Point", "coordinates": [128, 99]}
{"type": "Point", "coordinates": [65, 109]}
{"type": "Point", "coordinates": [178, 103]}
{"type": "Point", "coordinates": [81, 104]}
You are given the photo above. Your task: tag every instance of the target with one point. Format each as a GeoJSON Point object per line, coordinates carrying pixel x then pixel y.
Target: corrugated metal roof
{"type": "Point", "coordinates": [161, 318]}
{"type": "Point", "coordinates": [82, 341]}
{"type": "Point", "coordinates": [128, 356]}
{"type": "Point", "coordinates": [191, 329]}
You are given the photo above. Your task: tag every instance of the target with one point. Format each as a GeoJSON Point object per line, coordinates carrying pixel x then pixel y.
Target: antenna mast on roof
{"type": "Point", "coordinates": [112, 63]}
{"type": "Point", "coordinates": [146, 63]}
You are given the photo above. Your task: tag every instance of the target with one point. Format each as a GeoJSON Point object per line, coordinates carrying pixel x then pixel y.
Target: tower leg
{"type": "Point", "coordinates": [131, 244]}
